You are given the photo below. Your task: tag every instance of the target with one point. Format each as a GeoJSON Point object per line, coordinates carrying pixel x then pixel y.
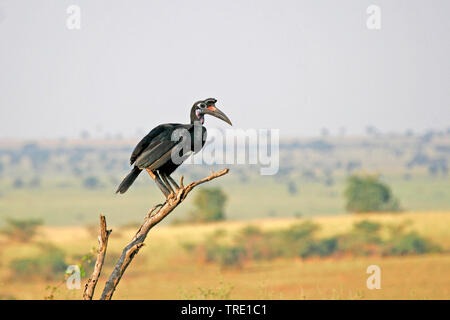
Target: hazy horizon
{"type": "Point", "coordinates": [295, 66]}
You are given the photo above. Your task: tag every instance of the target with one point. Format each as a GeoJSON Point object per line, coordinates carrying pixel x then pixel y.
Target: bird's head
{"type": "Point", "coordinates": [207, 106]}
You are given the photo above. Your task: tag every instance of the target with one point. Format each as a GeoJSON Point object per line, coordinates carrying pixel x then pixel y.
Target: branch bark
{"type": "Point", "coordinates": [154, 216]}
{"type": "Point", "coordinates": [89, 288]}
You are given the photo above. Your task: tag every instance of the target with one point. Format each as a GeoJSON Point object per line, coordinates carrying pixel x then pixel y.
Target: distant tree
{"type": "Point", "coordinates": [443, 148]}
{"type": "Point", "coordinates": [85, 135]}
{"type": "Point", "coordinates": [292, 188]}
{"type": "Point", "coordinates": [91, 182]}
{"type": "Point", "coordinates": [18, 183]}
{"type": "Point", "coordinates": [272, 213]}
{"type": "Point", "coordinates": [38, 156]}
{"type": "Point", "coordinates": [242, 174]}
{"type": "Point", "coordinates": [35, 182]}
{"type": "Point", "coordinates": [209, 205]}
{"type": "Point", "coordinates": [427, 136]}
{"type": "Point", "coordinates": [22, 230]}
{"type": "Point", "coordinates": [352, 165]}
{"type": "Point", "coordinates": [438, 166]}
{"type": "Point", "coordinates": [372, 131]}
{"type": "Point", "coordinates": [329, 180]}
{"type": "Point", "coordinates": [77, 171]}
{"type": "Point", "coordinates": [320, 145]}
{"type": "Point", "coordinates": [49, 264]}
{"type": "Point", "coordinates": [368, 194]}
{"type": "Point", "coordinates": [309, 174]}
{"type": "Point", "coordinates": [409, 133]}
{"type": "Point", "coordinates": [419, 159]}
{"type": "Point", "coordinates": [324, 132]}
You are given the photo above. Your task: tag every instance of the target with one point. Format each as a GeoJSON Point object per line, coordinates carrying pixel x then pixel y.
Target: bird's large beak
{"type": "Point", "coordinates": [214, 111]}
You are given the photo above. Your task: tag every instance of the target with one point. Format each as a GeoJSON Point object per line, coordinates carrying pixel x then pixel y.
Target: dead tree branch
{"type": "Point", "coordinates": [154, 216]}
{"type": "Point", "coordinates": [89, 288]}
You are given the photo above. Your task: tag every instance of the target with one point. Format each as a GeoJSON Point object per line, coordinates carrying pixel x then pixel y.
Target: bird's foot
{"type": "Point", "coordinates": [171, 196]}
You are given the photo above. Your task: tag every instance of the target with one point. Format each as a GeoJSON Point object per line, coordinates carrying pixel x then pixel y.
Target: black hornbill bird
{"type": "Point", "coordinates": [163, 150]}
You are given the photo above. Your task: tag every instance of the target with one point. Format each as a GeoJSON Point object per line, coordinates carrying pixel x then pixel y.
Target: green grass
{"type": "Point", "coordinates": [260, 197]}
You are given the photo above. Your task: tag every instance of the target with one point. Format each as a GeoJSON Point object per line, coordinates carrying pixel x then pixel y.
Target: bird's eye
{"type": "Point", "coordinates": [202, 105]}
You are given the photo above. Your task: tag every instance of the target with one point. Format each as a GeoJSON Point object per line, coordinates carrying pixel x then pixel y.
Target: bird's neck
{"type": "Point", "coordinates": [195, 119]}
{"type": "Point", "coordinates": [197, 122]}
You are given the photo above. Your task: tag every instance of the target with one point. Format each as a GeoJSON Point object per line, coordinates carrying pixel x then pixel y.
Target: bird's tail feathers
{"type": "Point", "coordinates": [128, 181]}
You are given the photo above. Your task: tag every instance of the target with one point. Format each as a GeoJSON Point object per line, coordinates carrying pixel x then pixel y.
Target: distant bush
{"type": "Point", "coordinates": [256, 245]}
{"type": "Point", "coordinates": [18, 183]}
{"type": "Point", "coordinates": [226, 256]}
{"type": "Point", "coordinates": [368, 194]}
{"type": "Point", "coordinates": [49, 265]}
{"type": "Point", "coordinates": [352, 166]}
{"type": "Point", "coordinates": [329, 181]}
{"type": "Point", "coordinates": [35, 182]}
{"type": "Point", "coordinates": [214, 251]}
{"type": "Point", "coordinates": [437, 166]}
{"type": "Point", "coordinates": [409, 243]}
{"type": "Point", "coordinates": [209, 205]}
{"type": "Point", "coordinates": [404, 243]}
{"type": "Point", "coordinates": [292, 187]}
{"type": "Point", "coordinates": [251, 243]}
{"type": "Point", "coordinates": [22, 230]}
{"type": "Point", "coordinates": [91, 182]}
{"type": "Point", "coordinates": [86, 261]}
{"type": "Point", "coordinates": [221, 292]}
{"type": "Point", "coordinates": [327, 246]}
{"type": "Point", "coordinates": [363, 239]}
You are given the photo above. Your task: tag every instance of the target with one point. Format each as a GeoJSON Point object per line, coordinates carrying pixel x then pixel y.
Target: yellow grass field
{"type": "Point", "coordinates": [164, 270]}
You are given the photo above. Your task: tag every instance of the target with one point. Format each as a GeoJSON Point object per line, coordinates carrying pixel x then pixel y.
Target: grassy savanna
{"type": "Point", "coordinates": [164, 270]}
{"type": "Point", "coordinates": [67, 184]}
{"type": "Point", "coordinates": [47, 179]}
{"type": "Point", "coordinates": [66, 202]}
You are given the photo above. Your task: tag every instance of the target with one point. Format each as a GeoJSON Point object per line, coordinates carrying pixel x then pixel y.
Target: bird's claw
{"type": "Point", "coordinates": [170, 196]}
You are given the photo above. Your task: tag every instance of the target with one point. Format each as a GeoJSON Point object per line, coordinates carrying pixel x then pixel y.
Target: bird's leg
{"type": "Point", "coordinates": [177, 187]}
{"type": "Point", "coordinates": [152, 175]}
{"type": "Point", "coordinates": [159, 183]}
{"type": "Point", "coordinates": [164, 177]}
{"type": "Point", "coordinates": [162, 186]}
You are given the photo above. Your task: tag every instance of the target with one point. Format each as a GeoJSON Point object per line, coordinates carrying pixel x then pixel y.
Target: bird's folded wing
{"type": "Point", "coordinates": [145, 142]}
{"type": "Point", "coordinates": [156, 154]}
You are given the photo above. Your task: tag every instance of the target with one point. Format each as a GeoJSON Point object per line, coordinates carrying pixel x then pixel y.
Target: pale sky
{"type": "Point", "coordinates": [294, 65]}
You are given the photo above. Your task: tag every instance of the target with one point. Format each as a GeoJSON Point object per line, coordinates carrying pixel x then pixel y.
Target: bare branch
{"type": "Point", "coordinates": [154, 216]}
{"type": "Point", "coordinates": [89, 288]}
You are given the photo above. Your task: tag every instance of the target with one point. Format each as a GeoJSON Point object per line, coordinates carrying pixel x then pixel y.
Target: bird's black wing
{"type": "Point", "coordinates": [159, 151]}
{"type": "Point", "coordinates": [156, 154]}
{"type": "Point", "coordinates": [145, 142]}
